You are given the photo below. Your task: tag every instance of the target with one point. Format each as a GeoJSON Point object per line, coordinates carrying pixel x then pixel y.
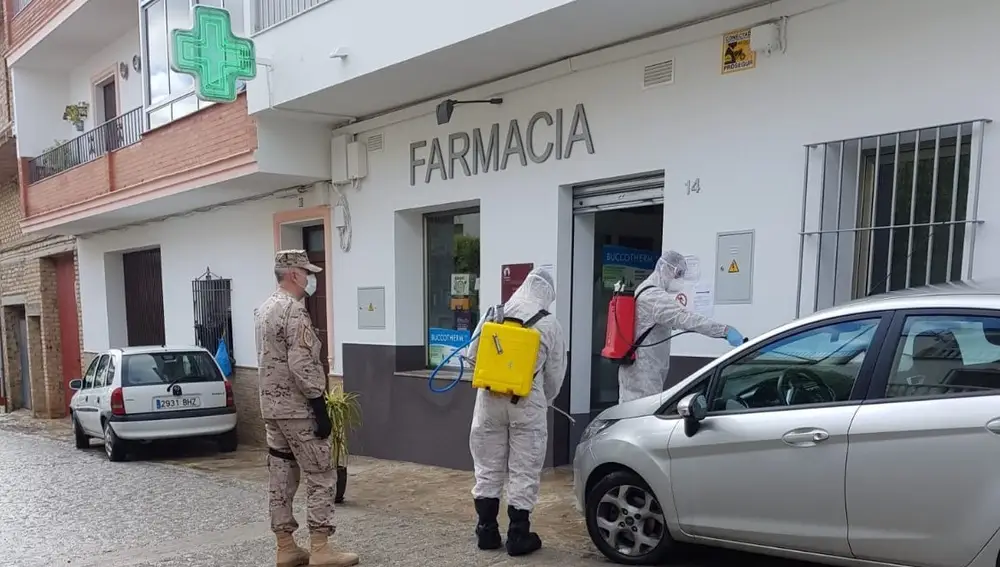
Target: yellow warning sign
{"type": "Point", "coordinates": [734, 268]}
{"type": "Point", "coordinates": [371, 307]}
{"type": "Point", "coordinates": [736, 53]}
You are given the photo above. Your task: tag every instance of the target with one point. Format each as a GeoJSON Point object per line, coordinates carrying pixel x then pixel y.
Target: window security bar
{"type": "Point", "coordinates": [896, 210]}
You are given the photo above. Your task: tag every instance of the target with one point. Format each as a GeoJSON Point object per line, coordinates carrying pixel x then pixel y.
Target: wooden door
{"type": "Point", "coordinates": [144, 297]}
{"type": "Point", "coordinates": [69, 322]}
{"type": "Point", "coordinates": [314, 241]}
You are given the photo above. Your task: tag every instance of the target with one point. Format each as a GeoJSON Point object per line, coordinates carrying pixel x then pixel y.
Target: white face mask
{"type": "Point", "coordinates": [310, 284]}
{"type": "Point", "coordinates": [675, 286]}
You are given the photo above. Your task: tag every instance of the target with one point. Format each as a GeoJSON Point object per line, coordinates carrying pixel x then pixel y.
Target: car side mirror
{"type": "Point", "coordinates": [692, 408]}
{"type": "Point", "coordinates": [76, 384]}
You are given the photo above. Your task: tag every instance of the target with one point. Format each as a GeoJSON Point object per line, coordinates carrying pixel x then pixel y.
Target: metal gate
{"type": "Point", "coordinates": [896, 210]}
{"type": "Point", "coordinates": [144, 297]}
{"type": "Point", "coordinates": [619, 193]}
{"type": "Point", "coordinates": [213, 316]}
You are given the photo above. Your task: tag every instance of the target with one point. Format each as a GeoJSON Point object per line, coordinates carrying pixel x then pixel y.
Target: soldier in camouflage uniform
{"type": "Point", "coordinates": [292, 386]}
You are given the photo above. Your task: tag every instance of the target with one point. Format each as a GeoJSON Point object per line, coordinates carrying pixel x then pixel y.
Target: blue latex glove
{"type": "Point", "coordinates": [734, 337]}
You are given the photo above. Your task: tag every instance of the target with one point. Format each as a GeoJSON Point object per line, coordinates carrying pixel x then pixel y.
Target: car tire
{"type": "Point", "coordinates": [228, 441]}
{"type": "Point", "coordinates": [608, 498]}
{"type": "Point", "coordinates": [81, 439]}
{"type": "Point", "coordinates": [113, 446]}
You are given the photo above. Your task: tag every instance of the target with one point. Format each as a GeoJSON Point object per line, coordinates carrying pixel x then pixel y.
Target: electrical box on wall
{"type": "Point", "coordinates": [371, 308]}
{"type": "Point", "coordinates": [734, 268]}
{"type": "Point", "coordinates": [338, 161]}
{"type": "Point", "coordinates": [357, 160]}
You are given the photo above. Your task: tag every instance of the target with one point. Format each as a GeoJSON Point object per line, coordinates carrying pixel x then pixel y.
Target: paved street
{"type": "Point", "coordinates": [62, 506]}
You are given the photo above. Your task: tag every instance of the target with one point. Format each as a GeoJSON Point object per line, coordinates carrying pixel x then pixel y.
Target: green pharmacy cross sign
{"type": "Point", "coordinates": [212, 54]}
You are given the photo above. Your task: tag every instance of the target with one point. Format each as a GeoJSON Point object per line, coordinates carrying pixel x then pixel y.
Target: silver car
{"type": "Point", "coordinates": [866, 434]}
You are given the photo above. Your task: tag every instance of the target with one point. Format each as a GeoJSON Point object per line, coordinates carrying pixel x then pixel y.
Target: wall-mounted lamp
{"type": "Point", "coordinates": [446, 107]}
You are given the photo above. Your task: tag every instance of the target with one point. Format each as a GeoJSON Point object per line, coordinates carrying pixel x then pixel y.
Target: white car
{"type": "Point", "coordinates": [141, 394]}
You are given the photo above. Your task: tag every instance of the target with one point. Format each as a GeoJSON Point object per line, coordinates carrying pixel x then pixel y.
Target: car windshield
{"type": "Point", "coordinates": [150, 369]}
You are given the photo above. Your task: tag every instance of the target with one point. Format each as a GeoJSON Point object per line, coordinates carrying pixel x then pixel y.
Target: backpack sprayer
{"type": "Point", "coordinates": [620, 342]}
{"type": "Point", "coordinates": [505, 356]}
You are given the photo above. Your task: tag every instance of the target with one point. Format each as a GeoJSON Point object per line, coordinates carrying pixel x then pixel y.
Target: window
{"type": "Point", "coordinates": [451, 244]}
{"type": "Point", "coordinates": [88, 377]}
{"type": "Point", "coordinates": [102, 368]}
{"type": "Point", "coordinates": [946, 355]}
{"type": "Point", "coordinates": [819, 365]}
{"type": "Point", "coordinates": [170, 95]}
{"type": "Point", "coordinates": [151, 369]}
{"type": "Point", "coordinates": [109, 377]}
{"type": "Point", "coordinates": [896, 210]}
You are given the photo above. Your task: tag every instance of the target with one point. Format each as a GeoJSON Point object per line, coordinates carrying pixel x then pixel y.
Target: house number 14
{"type": "Point", "coordinates": [693, 186]}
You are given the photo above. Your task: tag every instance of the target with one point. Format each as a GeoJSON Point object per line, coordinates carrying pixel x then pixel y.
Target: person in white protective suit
{"type": "Point", "coordinates": [509, 441]}
{"type": "Point", "coordinates": [658, 308]}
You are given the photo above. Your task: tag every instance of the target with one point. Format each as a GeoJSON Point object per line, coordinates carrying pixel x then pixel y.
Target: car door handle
{"type": "Point", "coordinates": [993, 426]}
{"type": "Point", "coordinates": [807, 437]}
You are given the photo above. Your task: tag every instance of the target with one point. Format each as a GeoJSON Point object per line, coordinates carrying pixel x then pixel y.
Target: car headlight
{"type": "Point", "coordinates": [595, 427]}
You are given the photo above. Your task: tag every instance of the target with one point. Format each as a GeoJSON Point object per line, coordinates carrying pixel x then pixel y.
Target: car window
{"type": "Point", "coordinates": [110, 375]}
{"type": "Point", "coordinates": [102, 368]}
{"type": "Point", "coordinates": [148, 369]}
{"type": "Point", "coordinates": [819, 365]}
{"type": "Point", "coordinates": [940, 355]}
{"type": "Point", "coordinates": [88, 377]}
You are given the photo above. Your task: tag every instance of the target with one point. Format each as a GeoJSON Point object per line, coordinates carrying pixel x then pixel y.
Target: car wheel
{"type": "Point", "coordinates": [228, 441]}
{"type": "Point", "coordinates": [113, 446]}
{"type": "Point", "coordinates": [626, 522]}
{"type": "Point", "coordinates": [82, 440]}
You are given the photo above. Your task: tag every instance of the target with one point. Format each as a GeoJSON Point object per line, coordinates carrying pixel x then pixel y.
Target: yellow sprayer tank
{"type": "Point", "coordinates": [506, 356]}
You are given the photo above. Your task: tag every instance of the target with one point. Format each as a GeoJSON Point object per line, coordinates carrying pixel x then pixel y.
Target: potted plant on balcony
{"type": "Point", "coordinates": [75, 114]}
{"type": "Point", "coordinates": [345, 415]}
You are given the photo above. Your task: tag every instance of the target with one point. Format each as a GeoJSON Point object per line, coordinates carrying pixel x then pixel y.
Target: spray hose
{"type": "Point", "coordinates": [461, 369]}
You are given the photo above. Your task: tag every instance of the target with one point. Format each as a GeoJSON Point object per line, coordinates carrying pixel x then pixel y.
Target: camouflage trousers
{"type": "Point", "coordinates": [294, 450]}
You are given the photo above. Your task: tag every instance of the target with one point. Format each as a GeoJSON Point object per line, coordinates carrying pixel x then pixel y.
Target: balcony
{"type": "Point", "coordinates": [269, 13]}
{"type": "Point", "coordinates": [435, 47]}
{"type": "Point", "coordinates": [114, 134]}
{"type": "Point", "coordinates": [116, 174]}
{"type": "Point", "coordinates": [61, 34]}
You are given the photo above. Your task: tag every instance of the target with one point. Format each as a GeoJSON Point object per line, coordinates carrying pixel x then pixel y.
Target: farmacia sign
{"type": "Point", "coordinates": [544, 137]}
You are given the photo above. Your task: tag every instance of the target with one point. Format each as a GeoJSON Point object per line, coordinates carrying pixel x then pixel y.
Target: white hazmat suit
{"type": "Point", "coordinates": [508, 441]}
{"type": "Point", "coordinates": [658, 305]}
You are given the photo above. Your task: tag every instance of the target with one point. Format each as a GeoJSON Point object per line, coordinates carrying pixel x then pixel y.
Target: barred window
{"type": "Point", "coordinates": [895, 211]}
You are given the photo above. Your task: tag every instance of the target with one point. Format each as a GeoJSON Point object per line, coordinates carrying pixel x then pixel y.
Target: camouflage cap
{"type": "Point", "coordinates": [294, 259]}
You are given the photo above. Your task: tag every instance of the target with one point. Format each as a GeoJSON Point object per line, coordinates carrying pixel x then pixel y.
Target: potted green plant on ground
{"type": "Point", "coordinates": [345, 415]}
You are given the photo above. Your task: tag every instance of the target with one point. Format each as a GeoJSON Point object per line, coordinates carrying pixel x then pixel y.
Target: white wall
{"type": "Point", "coordinates": [852, 68]}
{"type": "Point", "coordinates": [299, 48]}
{"type": "Point", "coordinates": [81, 85]}
{"type": "Point", "coordinates": [235, 242]}
{"type": "Point", "coordinates": [41, 96]}
{"type": "Point", "coordinates": [39, 100]}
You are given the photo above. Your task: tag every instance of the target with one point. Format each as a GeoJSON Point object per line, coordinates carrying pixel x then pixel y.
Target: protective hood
{"type": "Point", "coordinates": [669, 267]}
{"type": "Point", "coordinates": [538, 290]}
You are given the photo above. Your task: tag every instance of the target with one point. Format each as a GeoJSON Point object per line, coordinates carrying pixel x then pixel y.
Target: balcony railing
{"type": "Point", "coordinates": [114, 134]}
{"type": "Point", "coordinates": [269, 13]}
{"type": "Point", "coordinates": [20, 5]}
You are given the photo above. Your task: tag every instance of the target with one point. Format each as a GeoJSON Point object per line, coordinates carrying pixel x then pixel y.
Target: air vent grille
{"type": "Point", "coordinates": [374, 143]}
{"type": "Point", "coordinates": [656, 74]}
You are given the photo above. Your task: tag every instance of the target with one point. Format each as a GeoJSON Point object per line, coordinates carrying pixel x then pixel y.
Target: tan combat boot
{"type": "Point", "coordinates": [322, 556]}
{"type": "Point", "coordinates": [289, 553]}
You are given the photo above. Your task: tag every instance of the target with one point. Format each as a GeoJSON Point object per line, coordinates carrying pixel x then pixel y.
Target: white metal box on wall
{"type": "Point", "coordinates": [734, 261]}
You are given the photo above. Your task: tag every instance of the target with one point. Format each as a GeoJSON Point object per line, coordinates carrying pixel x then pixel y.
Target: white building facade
{"type": "Point", "coordinates": [839, 120]}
